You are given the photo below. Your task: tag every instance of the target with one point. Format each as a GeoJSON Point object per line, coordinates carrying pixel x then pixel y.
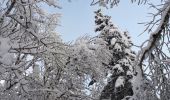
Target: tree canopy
{"type": "Point", "coordinates": [35, 64]}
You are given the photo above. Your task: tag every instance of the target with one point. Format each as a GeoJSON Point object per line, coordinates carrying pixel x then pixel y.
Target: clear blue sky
{"type": "Point", "coordinates": [78, 18]}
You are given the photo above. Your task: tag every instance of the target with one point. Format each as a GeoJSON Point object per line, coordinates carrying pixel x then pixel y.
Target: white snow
{"type": "Point", "coordinates": [112, 30]}
{"type": "Point", "coordinates": [117, 47]}
{"type": "Point", "coordinates": [118, 67]}
{"type": "Point", "coordinates": [137, 81]}
{"type": "Point", "coordinates": [129, 73]}
{"type": "Point", "coordinates": [124, 62]}
{"type": "Point", "coordinates": [120, 81]}
{"type": "Point", "coordinates": [127, 51]}
{"type": "Point", "coordinates": [2, 82]}
{"type": "Point", "coordinates": [113, 41]}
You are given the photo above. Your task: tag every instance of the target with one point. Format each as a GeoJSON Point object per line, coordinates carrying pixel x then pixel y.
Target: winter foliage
{"type": "Point", "coordinates": [35, 64]}
{"type": "Point", "coordinates": [29, 56]}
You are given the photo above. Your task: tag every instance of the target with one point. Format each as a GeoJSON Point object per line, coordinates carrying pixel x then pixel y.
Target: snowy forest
{"type": "Point", "coordinates": [35, 63]}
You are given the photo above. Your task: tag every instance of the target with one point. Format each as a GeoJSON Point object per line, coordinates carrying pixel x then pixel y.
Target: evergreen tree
{"type": "Point", "coordinates": [119, 44]}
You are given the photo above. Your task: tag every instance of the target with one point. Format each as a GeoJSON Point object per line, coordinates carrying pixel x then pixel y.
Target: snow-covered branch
{"type": "Point", "coordinates": [155, 36]}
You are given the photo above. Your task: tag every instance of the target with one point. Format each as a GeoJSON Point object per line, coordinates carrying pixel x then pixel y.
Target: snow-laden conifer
{"type": "Point", "coordinates": [119, 44]}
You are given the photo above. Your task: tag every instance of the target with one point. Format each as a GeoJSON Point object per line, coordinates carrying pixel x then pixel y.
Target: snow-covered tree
{"type": "Point", "coordinates": [87, 62]}
{"type": "Point", "coordinates": [154, 54]}
{"type": "Point", "coordinates": [112, 3]}
{"type": "Point", "coordinates": [151, 67]}
{"type": "Point", "coordinates": [119, 44]}
{"type": "Point", "coordinates": [36, 65]}
{"type": "Point", "coordinates": [31, 53]}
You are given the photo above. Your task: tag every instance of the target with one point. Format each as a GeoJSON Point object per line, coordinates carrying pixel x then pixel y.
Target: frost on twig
{"type": "Point", "coordinates": [112, 3]}
{"type": "Point", "coordinates": [153, 77]}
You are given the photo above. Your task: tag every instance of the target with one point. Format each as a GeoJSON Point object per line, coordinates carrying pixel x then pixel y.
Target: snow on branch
{"type": "Point", "coordinates": [155, 36]}
{"type": "Point", "coordinates": [112, 3]}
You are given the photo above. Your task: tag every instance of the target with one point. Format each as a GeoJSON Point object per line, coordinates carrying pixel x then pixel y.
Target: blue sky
{"type": "Point", "coordinates": [77, 18]}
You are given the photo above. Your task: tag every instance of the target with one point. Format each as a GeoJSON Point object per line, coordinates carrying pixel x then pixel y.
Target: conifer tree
{"type": "Point", "coordinates": [119, 44]}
